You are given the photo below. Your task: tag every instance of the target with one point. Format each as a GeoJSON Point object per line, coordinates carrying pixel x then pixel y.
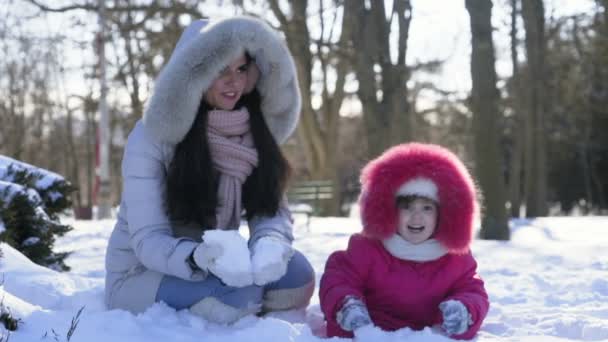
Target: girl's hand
{"type": "Point", "coordinates": [456, 317]}
{"type": "Point", "coordinates": [353, 315]}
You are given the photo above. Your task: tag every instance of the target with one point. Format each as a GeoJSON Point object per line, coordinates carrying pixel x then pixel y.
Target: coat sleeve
{"type": "Point", "coordinates": [150, 233]}
{"type": "Point", "coordinates": [279, 225]}
{"type": "Point", "coordinates": [469, 289]}
{"type": "Point", "coordinates": [345, 275]}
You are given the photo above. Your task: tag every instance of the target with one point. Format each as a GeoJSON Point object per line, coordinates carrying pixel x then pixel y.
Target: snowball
{"type": "Point", "coordinates": [234, 265]}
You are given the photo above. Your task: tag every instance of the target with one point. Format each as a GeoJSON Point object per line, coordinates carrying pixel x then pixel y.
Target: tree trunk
{"type": "Point", "coordinates": [585, 122]}
{"type": "Point", "coordinates": [16, 111]}
{"type": "Point", "coordinates": [599, 108]}
{"type": "Point", "coordinates": [90, 108]}
{"type": "Point", "coordinates": [517, 153]}
{"type": "Point", "coordinates": [72, 157]}
{"type": "Point", "coordinates": [318, 129]}
{"type": "Point", "coordinates": [485, 96]}
{"type": "Point", "coordinates": [130, 76]}
{"type": "Point", "coordinates": [382, 83]}
{"type": "Point", "coordinates": [536, 159]}
{"type": "Point", "coordinates": [397, 75]}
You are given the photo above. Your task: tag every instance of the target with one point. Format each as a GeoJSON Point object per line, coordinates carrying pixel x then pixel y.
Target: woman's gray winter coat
{"type": "Point", "coordinates": [145, 245]}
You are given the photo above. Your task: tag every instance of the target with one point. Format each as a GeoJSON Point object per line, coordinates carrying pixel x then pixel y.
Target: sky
{"type": "Point", "coordinates": [439, 30]}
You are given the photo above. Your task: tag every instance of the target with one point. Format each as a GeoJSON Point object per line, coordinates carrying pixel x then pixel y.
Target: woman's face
{"type": "Point", "coordinates": [227, 88]}
{"type": "Point", "coordinates": [417, 220]}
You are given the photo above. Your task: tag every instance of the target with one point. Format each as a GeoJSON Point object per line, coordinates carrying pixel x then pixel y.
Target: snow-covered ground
{"type": "Point", "coordinates": [549, 283]}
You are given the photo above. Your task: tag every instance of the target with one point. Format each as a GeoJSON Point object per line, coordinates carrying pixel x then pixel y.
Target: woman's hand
{"type": "Point", "coordinates": [269, 259]}
{"type": "Point", "coordinates": [206, 254]}
{"type": "Point", "coordinates": [211, 257]}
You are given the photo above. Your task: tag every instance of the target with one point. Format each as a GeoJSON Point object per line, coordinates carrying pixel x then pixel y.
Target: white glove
{"type": "Point", "coordinates": [206, 254]}
{"type": "Point", "coordinates": [269, 259]}
{"type": "Point", "coordinates": [353, 315]}
{"type": "Point", "coordinates": [456, 317]}
{"type": "Point", "coordinates": [213, 256]}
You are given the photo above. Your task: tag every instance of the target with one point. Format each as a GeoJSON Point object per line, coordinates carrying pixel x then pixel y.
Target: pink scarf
{"type": "Point", "coordinates": [234, 156]}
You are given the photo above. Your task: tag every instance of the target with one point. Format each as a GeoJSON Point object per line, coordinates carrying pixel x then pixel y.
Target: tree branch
{"type": "Point", "coordinates": [274, 6]}
{"type": "Point", "coordinates": [94, 8]}
{"type": "Point", "coordinates": [45, 8]}
{"type": "Point", "coordinates": [403, 10]}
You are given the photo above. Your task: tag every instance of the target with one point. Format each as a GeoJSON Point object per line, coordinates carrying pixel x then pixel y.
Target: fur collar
{"type": "Point", "coordinates": [193, 66]}
{"type": "Point", "coordinates": [428, 250]}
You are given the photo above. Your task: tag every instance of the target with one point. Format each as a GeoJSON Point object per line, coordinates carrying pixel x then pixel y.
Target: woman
{"type": "Point", "coordinates": [206, 149]}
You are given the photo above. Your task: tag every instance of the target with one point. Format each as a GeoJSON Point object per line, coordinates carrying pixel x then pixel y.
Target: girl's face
{"type": "Point", "coordinates": [228, 87]}
{"type": "Point", "coordinates": [417, 220]}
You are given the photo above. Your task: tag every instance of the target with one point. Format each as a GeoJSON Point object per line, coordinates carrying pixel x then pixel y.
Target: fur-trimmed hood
{"type": "Point", "coordinates": [384, 177]}
{"type": "Point", "coordinates": [201, 53]}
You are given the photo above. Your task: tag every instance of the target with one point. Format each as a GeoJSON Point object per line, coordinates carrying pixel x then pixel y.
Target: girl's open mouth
{"type": "Point", "coordinates": [415, 229]}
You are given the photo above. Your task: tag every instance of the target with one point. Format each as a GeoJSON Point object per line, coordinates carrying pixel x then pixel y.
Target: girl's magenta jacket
{"type": "Point", "coordinates": [400, 293]}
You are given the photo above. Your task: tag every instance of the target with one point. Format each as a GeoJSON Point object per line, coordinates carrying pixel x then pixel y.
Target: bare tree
{"type": "Point", "coordinates": [382, 83]}
{"type": "Point", "coordinates": [139, 50]}
{"type": "Point", "coordinates": [318, 128]}
{"type": "Point", "coordinates": [26, 84]}
{"type": "Point", "coordinates": [484, 103]}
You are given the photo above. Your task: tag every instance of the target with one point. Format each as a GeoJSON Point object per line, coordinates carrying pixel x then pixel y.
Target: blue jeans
{"type": "Point", "coordinates": [181, 294]}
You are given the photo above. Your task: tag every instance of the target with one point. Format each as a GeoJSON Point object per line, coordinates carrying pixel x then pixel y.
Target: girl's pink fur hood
{"type": "Point", "coordinates": [456, 191]}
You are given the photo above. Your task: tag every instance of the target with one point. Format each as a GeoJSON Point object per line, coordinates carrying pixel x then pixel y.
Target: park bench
{"type": "Point", "coordinates": [306, 197]}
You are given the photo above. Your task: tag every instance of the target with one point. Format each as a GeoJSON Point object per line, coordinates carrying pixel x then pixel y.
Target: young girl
{"type": "Point", "coordinates": [411, 266]}
{"type": "Point", "coordinates": [205, 151]}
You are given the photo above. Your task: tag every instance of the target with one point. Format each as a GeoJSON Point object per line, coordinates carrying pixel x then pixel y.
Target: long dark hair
{"type": "Point", "coordinates": [192, 181]}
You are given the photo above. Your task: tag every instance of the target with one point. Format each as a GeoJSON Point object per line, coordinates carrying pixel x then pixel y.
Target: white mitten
{"type": "Point", "coordinates": [225, 254]}
{"type": "Point", "coordinates": [456, 317]}
{"type": "Point", "coordinates": [269, 258]}
{"type": "Point", "coordinates": [206, 254]}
